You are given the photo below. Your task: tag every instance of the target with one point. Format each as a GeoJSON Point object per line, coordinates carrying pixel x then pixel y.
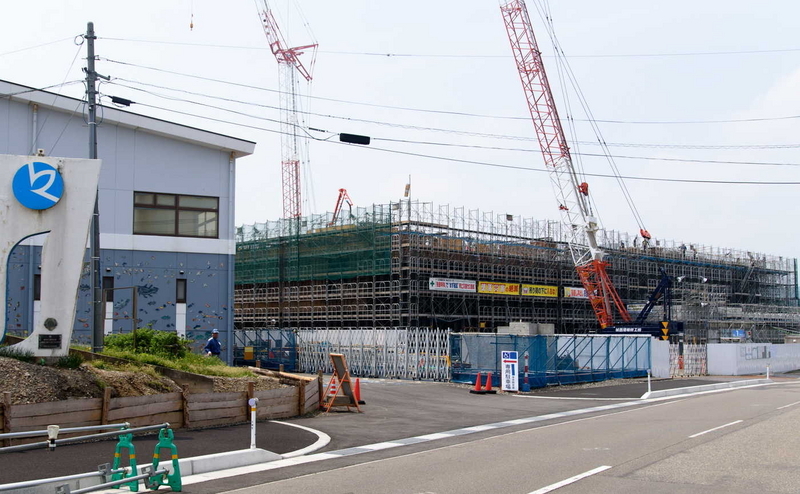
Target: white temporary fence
{"type": "Point", "coordinates": [752, 358]}
{"type": "Point", "coordinates": [404, 353]}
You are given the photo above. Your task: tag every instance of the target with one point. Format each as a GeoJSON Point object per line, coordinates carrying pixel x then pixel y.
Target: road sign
{"type": "Point", "coordinates": [510, 377]}
{"type": "Point", "coordinates": [37, 185]}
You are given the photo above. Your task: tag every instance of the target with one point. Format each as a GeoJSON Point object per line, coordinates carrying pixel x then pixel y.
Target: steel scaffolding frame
{"type": "Point", "coordinates": [372, 269]}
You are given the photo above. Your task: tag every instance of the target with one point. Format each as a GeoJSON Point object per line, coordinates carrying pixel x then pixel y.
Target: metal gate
{"type": "Point", "coordinates": [688, 359]}
{"type": "Point", "coordinates": [404, 353]}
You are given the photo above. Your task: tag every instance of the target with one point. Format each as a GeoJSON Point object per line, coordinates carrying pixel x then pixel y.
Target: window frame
{"type": "Point", "coordinates": [176, 209]}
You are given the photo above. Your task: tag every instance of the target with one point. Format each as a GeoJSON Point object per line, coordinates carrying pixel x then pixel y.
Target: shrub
{"type": "Point", "coordinates": [72, 361]}
{"type": "Point", "coordinates": [149, 341]}
{"type": "Point", "coordinates": [22, 355]}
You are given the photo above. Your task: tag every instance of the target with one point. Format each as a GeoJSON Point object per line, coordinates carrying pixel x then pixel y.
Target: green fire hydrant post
{"type": "Point", "coordinates": [165, 437]}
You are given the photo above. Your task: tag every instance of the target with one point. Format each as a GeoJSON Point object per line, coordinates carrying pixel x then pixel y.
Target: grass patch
{"type": "Point", "coordinates": [198, 364]}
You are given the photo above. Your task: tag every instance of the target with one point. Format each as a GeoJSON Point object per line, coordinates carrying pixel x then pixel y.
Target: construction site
{"type": "Point", "coordinates": [415, 264]}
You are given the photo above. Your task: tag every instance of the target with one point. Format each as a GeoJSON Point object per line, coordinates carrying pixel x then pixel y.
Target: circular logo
{"type": "Point", "coordinates": [38, 185]}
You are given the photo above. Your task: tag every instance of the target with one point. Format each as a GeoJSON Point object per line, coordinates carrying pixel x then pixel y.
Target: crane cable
{"type": "Point", "coordinates": [561, 55]}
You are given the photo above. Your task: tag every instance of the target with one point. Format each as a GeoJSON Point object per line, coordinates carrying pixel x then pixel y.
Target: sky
{"type": "Point", "coordinates": [681, 91]}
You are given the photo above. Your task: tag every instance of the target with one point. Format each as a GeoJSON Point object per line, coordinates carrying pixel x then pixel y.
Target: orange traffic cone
{"type": "Point", "coordinates": [488, 389]}
{"type": "Point", "coordinates": [357, 392]}
{"type": "Point", "coordinates": [333, 386]}
{"type": "Point", "coordinates": [477, 389]}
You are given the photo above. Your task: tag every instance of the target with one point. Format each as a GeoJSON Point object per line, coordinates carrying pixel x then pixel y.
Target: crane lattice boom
{"type": "Point", "coordinates": [571, 193]}
{"type": "Point", "coordinates": [289, 65]}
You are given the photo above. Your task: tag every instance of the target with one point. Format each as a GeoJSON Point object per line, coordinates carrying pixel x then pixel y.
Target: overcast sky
{"type": "Point", "coordinates": [659, 70]}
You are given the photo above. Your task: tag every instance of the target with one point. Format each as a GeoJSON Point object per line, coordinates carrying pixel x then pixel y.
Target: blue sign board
{"type": "Point", "coordinates": [38, 185]}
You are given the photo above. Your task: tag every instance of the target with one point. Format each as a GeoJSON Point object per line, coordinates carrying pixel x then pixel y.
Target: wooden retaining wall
{"type": "Point", "coordinates": [194, 410]}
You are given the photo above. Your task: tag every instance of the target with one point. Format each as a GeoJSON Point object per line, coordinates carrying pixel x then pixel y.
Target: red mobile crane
{"type": "Point", "coordinates": [344, 197]}
{"type": "Point", "coordinates": [571, 193]}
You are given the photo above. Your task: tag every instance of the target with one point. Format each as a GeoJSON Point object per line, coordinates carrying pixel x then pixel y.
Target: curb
{"type": "Point", "coordinates": [700, 389]}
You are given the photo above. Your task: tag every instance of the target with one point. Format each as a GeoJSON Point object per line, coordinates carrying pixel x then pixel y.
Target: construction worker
{"type": "Point", "coordinates": [213, 347]}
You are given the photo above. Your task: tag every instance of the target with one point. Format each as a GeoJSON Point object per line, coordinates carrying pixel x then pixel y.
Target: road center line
{"type": "Point", "coordinates": [787, 406]}
{"type": "Point", "coordinates": [714, 429]}
{"type": "Point", "coordinates": [570, 480]}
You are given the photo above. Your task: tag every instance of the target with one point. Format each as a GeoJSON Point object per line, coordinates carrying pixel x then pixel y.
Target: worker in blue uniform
{"type": "Point", "coordinates": [213, 346]}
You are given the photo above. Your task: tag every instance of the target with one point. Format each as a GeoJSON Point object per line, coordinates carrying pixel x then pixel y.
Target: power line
{"type": "Point", "coordinates": [475, 134]}
{"type": "Point", "coordinates": [466, 56]}
{"type": "Point", "coordinates": [445, 112]}
{"type": "Point", "coordinates": [37, 46]}
{"type": "Point", "coordinates": [474, 162]}
{"type": "Point", "coordinates": [45, 88]}
{"type": "Point", "coordinates": [433, 143]}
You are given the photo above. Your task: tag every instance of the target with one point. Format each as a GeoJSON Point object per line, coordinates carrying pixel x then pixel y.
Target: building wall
{"type": "Point", "coordinates": [134, 159]}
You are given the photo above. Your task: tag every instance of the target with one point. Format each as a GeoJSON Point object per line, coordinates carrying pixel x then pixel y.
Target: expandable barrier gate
{"type": "Point", "coordinates": [552, 359]}
{"type": "Point", "coordinates": [404, 353]}
{"type": "Point", "coordinates": [688, 359]}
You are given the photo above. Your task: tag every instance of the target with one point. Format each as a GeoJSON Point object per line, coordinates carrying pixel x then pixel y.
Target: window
{"type": "Point", "coordinates": [108, 287]}
{"type": "Point", "coordinates": [37, 287]}
{"type": "Point", "coordinates": [180, 291]}
{"type": "Point", "coordinates": [175, 215]}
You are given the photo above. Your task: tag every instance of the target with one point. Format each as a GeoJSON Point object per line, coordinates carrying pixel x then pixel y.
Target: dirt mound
{"type": "Point", "coordinates": [30, 383]}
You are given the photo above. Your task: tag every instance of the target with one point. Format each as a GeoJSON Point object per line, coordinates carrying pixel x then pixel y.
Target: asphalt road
{"type": "Point", "coordinates": [741, 441]}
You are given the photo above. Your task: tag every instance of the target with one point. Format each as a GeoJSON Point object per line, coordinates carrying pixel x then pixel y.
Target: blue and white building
{"type": "Point", "coordinates": [166, 216]}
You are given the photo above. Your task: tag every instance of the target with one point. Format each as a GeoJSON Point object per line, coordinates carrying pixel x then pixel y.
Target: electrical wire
{"type": "Point", "coordinates": [432, 143]}
{"type": "Point", "coordinates": [36, 46]}
{"type": "Point", "coordinates": [55, 97]}
{"type": "Point", "coordinates": [445, 112]}
{"type": "Point", "coordinates": [474, 162]}
{"type": "Point", "coordinates": [477, 134]}
{"type": "Point", "coordinates": [457, 55]}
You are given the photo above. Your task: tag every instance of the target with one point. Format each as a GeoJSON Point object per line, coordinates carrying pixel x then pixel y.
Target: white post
{"type": "Point", "coordinates": [648, 380]}
{"type": "Point", "coordinates": [767, 371]}
{"type": "Point", "coordinates": [252, 402]}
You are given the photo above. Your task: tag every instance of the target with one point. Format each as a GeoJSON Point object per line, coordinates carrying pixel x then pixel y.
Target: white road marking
{"type": "Point", "coordinates": [570, 480]}
{"type": "Point", "coordinates": [714, 429]}
{"type": "Point", "coordinates": [787, 406]}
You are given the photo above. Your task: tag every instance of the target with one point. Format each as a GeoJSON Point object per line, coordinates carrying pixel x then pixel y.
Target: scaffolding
{"type": "Point", "coordinates": [379, 267]}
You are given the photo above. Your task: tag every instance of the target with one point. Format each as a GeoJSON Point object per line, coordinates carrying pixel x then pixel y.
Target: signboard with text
{"type": "Point", "coordinates": [575, 292]}
{"type": "Point", "coordinates": [510, 370]}
{"type": "Point", "coordinates": [450, 285]}
{"type": "Point", "coordinates": [539, 291]}
{"type": "Point", "coordinates": [498, 288]}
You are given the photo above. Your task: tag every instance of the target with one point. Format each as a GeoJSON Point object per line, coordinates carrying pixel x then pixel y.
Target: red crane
{"type": "Point", "coordinates": [344, 197]}
{"type": "Point", "coordinates": [571, 193]}
{"type": "Point", "coordinates": [289, 66]}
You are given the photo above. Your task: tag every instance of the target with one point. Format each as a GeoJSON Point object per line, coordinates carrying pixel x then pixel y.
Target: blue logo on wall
{"type": "Point", "coordinates": [38, 185]}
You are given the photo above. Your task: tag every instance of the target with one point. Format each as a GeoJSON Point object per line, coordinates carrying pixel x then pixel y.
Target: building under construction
{"type": "Point", "coordinates": [413, 264]}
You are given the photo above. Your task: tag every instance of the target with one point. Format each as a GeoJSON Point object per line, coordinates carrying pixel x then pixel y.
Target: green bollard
{"type": "Point", "coordinates": [125, 441]}
{"type": "Point", "coordinates": [165, 437]}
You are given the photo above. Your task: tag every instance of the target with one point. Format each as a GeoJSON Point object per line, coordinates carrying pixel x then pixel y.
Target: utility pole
{"type": "Point", "coordinates": [94, 246]}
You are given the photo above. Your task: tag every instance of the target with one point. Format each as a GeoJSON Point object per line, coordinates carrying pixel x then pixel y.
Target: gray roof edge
{"type": "Point", "coordinates": [239, 147]}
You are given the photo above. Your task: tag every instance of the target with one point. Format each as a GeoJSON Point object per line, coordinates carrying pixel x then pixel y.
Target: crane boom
{"type": "Point", "coordinates": [343, 198]}
{"type": "Point", "coordinates": [571, 193]}
{"type": "Point", "coordinates": [289, 65]}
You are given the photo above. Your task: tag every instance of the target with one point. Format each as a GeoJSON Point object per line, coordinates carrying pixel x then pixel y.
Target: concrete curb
{"type": "Point", "coordinates": [322, 440]}
{"type": "Point", "coordinates": [700, 389]}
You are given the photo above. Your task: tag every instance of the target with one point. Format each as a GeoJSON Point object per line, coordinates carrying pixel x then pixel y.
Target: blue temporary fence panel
{"type": "Point", "coordinates": [551, 359]}
{"type": "Point", "coordinates": [271, 346]}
